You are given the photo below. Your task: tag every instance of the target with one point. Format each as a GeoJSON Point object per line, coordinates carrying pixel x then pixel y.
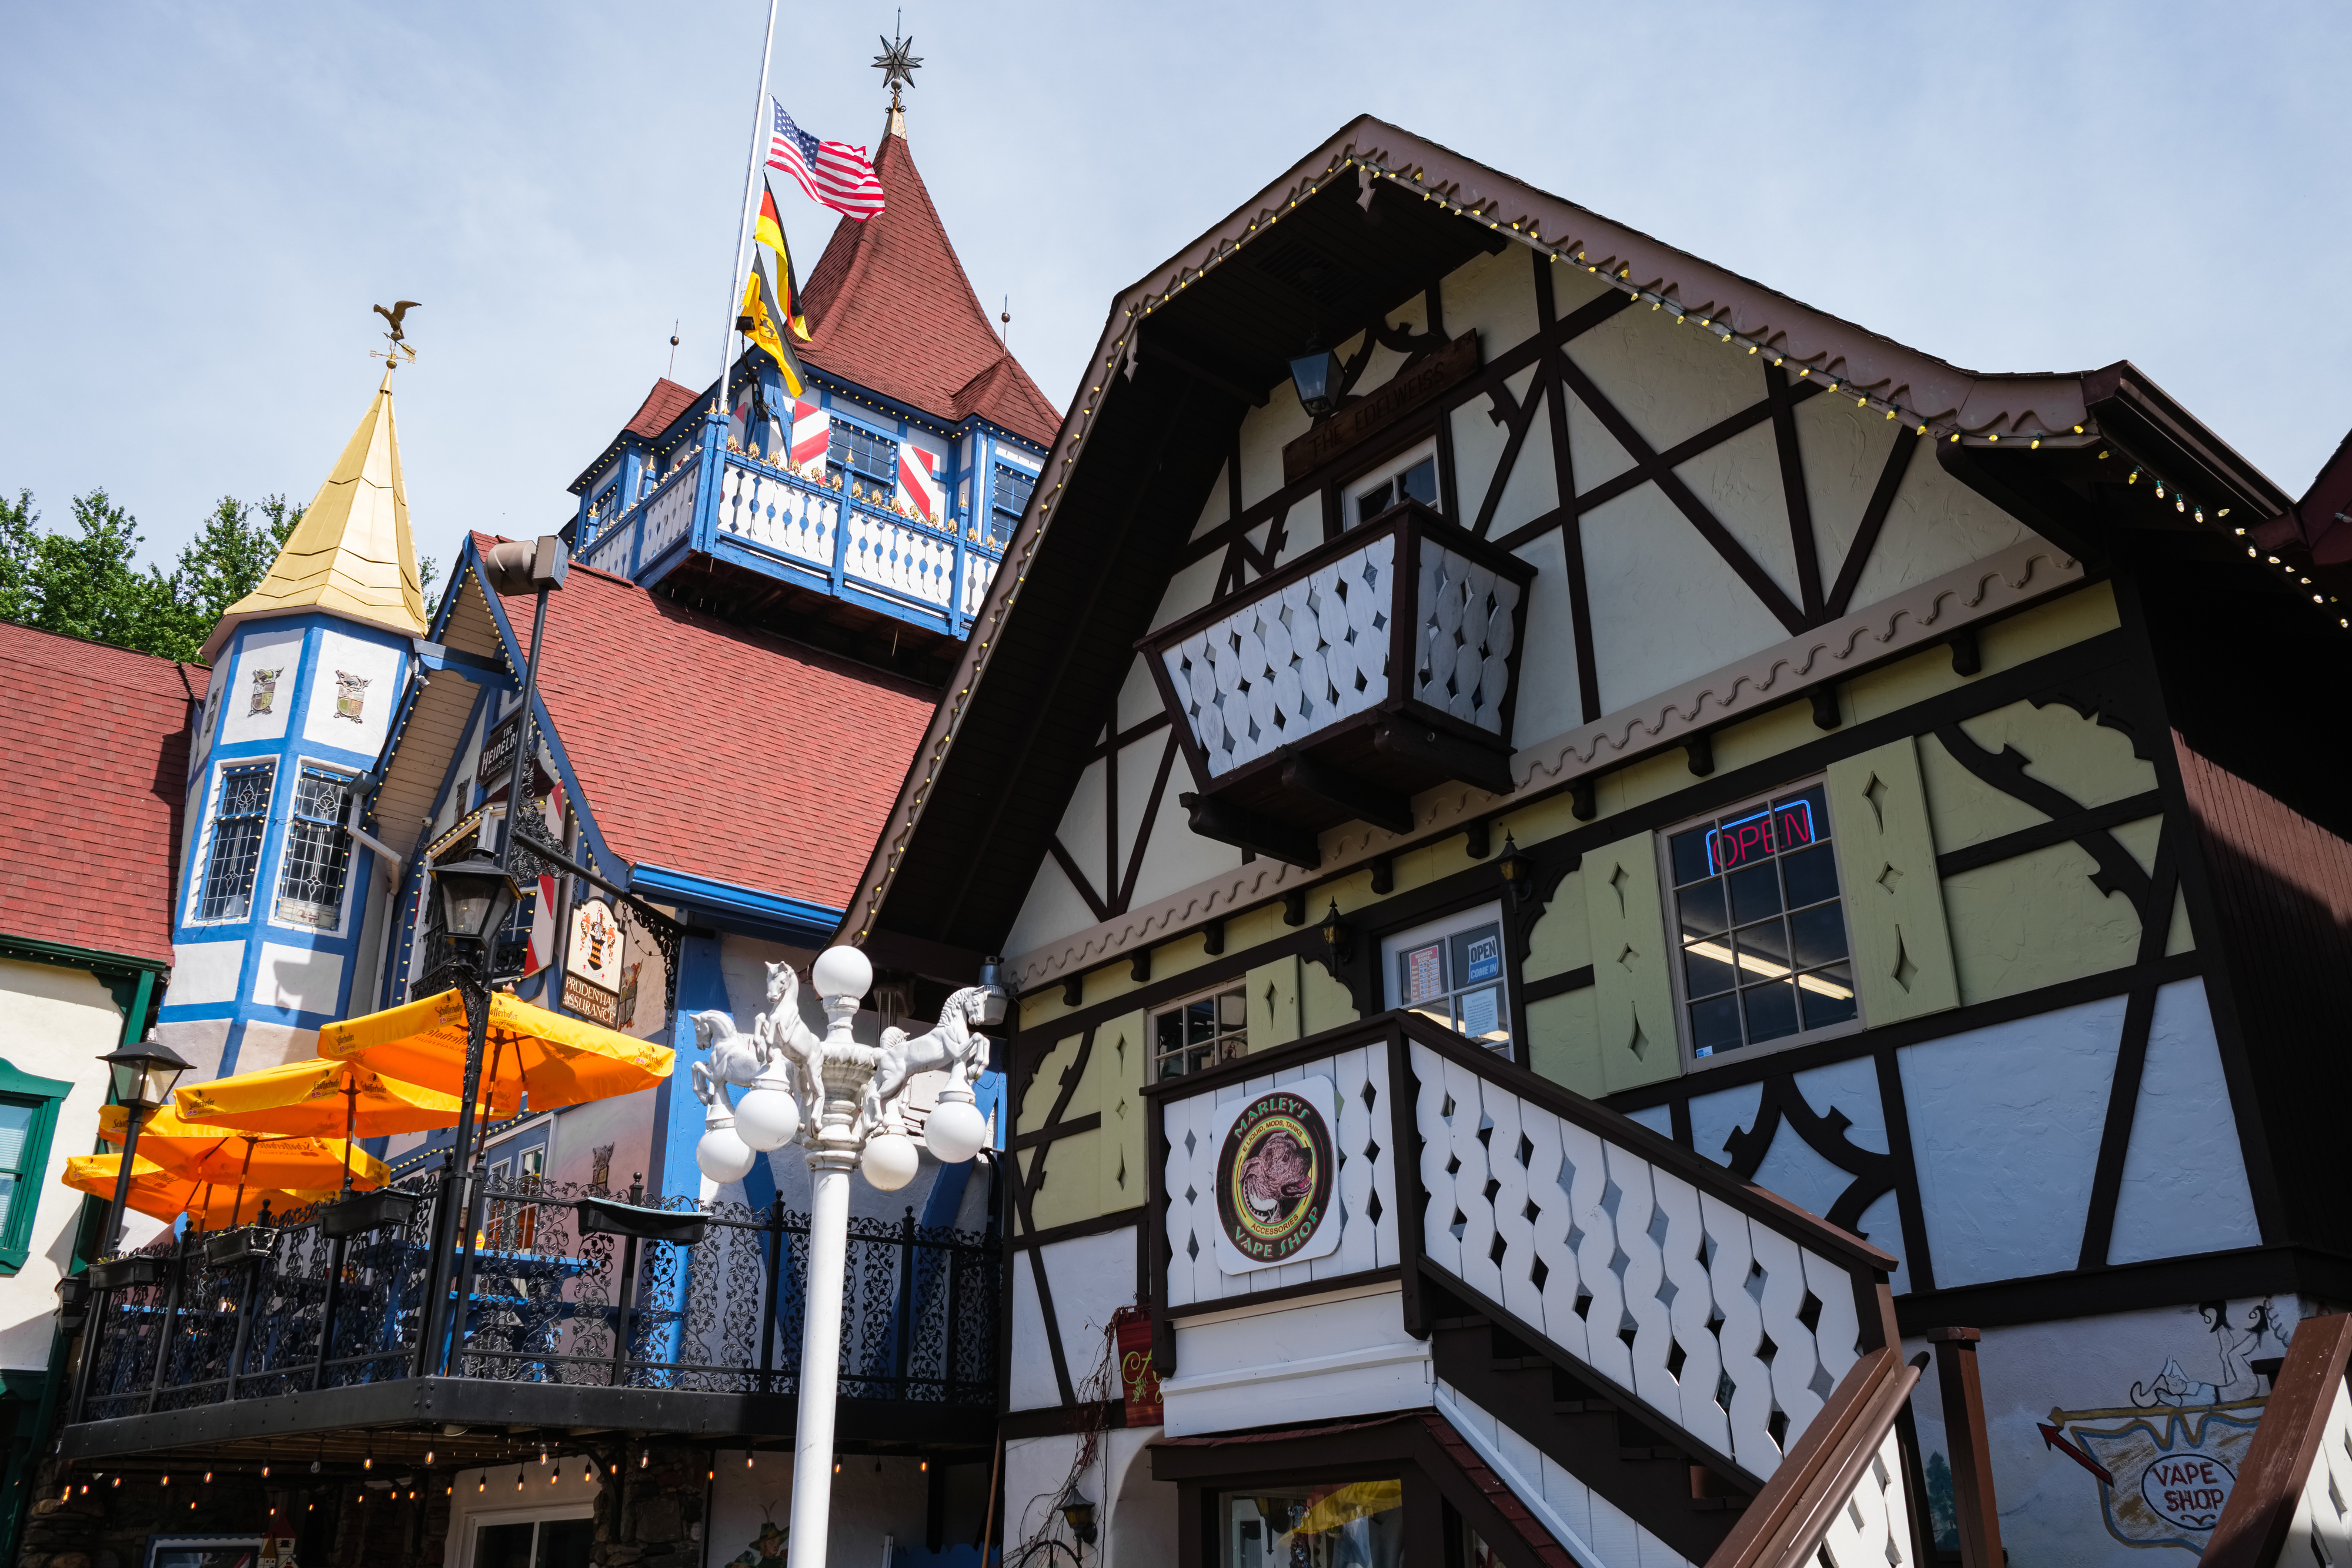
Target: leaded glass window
{"type": "Point", "coordinates": [240, 820]}
{"type": "Point", "coordinates": [318, 856]}
{"type": "Point", "coordinates": [867, 459]}
{"type": "Point", "coordinates": [1013, 488]}
{"type": "Point", "coordinates": [1761, 925]}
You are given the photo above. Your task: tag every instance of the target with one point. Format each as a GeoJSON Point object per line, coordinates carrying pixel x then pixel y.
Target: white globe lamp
{"type": "Point", "coordinates": [890, 1161]}
{"type": "Point", "coordinates": [842, 972]}
{"type": "Point", "coordinates": [766, 1117]}
{"type": "Point", "coordinates": [955, 1131]}
{"type": "Point", "coordinates": [723, 1155]}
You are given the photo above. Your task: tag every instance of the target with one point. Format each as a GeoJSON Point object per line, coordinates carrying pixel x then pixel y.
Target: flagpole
{"type": "Point", "coordinates": [743, 223]}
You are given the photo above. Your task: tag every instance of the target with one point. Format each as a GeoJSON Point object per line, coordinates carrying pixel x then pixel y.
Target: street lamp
{"type": "Point", "coordinates": [143, 1075]}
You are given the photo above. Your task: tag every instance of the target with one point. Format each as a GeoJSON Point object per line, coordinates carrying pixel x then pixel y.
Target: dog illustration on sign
{"type": "Point", "coordinates": [1276, 1178]}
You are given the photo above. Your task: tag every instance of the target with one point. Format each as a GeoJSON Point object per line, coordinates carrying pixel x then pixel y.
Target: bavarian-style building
{"type": "Point", "coordinates": [1599, 863]}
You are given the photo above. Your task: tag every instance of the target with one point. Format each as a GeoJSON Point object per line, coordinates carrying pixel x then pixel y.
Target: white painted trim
{"type": "Point", "coordinates": [544, 1513]}
{"type": "Point", "coordinates": [1901, 623]}
{"type": "Point", "coordinates": [1528, 1493]}
{"type": "Point", "coordinates": [1269, 1372]}
{"type": "Point", "coordinates": [1289, 1303]}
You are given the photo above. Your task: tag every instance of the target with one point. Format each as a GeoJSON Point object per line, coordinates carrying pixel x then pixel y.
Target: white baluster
{"type": "Point", "coordinates": [1646, 1271]}
{"type": "Point", "coordinates": [1794, 1361]}
{"type": "Point", "coordinates": [1588, 1193]}
{"type": "Point", "coordinates": [1837, 1336]}
{"type": "Point", "coordinates": [1359, 1241]}
{"type": "Point", "coordinates": [1555, 1297]}
{"type": "Point", "coordinates": [1740, 1338]}
{"type": "Point", "coordinates": [1437, 1238]}
{"type": "Point", "coordinates": [1693, 1307]}
{"type": "Point", "coordinates": [1477, 1269]}
{"type": "Point", "coordinates": [1521, 1295]}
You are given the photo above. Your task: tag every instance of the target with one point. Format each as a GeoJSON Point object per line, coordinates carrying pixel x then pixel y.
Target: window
{"type": "Point", "coordinates": [1349, 1525]}
{"type": "Point", "coordinates": [1762, 928]}
{"type": "Point", "coordinates": [28, 1114]}
{"type": "Point", "coordinates": [203, 1550]}
{"type": "Point", "coordinates": [1411, 476]}
{"type": "Point", "coordinates": [318, 855]}
{"type": "Point", "coordinates": [534, 1543]}
{"type": "Point", "coordinates": [513, 1224]}
{"type": "Point", "coordinates": [864, 458]}
{"type": "Point", "coordinates": [239, 819]}
{"type": "Point", "coordinates": [1451, 972]}
{"type": "Point", "coordinates": [1013, 488]}
{"type": "Point", "coordinates": [1194, 1036]}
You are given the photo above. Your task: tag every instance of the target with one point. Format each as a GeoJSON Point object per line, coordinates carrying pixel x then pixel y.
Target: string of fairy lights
{"type": "Point", "coordinates": [1615, 272]}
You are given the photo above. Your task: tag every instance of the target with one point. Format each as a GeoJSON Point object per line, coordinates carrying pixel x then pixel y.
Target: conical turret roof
{"type": "Point", "coordinates": [891, 308]}
{"type": "Point", "coordinates": [351, 554]}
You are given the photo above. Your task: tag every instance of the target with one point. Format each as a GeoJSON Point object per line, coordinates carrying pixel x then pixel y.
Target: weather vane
{"type": "Point", "coordinates": [896, 64]}
{"type": "Point", "coordinates": [400, 354]}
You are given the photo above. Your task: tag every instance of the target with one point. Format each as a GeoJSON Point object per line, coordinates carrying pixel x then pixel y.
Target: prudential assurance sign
{"type": "Point", "coordinates": [1275, 1166]}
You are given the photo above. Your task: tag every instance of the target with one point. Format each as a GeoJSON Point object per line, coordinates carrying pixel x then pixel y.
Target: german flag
{"type": "Point", "coordinates": [770, 232]}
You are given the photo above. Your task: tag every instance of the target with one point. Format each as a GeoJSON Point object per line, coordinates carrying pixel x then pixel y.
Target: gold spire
{"type": "Point", "coordinates": [351, 554]}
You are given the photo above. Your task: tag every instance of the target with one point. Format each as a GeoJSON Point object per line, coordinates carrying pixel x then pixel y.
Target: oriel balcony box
{"type": "Point", "coordinates": [245, 1244]}
{"type": "Point", "coordinates": [1379, 665]}
{"type": "Point", "coordinates": [387, 1209]}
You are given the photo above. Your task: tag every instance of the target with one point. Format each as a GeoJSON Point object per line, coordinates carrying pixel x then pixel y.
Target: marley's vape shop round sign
{"type": "Point", "coordinates": [1275, 1167]}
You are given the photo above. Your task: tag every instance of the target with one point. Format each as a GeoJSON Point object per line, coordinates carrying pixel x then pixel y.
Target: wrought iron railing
{"type": "Point", "coordinates": [564, 1286]}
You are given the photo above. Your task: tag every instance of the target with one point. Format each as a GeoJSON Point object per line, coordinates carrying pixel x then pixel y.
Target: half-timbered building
{"type": "Point", "coordinates": [1596, 857]}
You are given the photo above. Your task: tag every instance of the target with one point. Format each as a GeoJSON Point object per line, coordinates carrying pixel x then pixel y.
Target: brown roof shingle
{"type": "Point", "coordinates": [95, 773]}
{"type": "Point", "coordinates": [891, 308]}
{"type": "Point", "coordinates": [716, 751]}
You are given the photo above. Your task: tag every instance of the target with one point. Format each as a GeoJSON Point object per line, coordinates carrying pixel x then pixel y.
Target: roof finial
{"type": "Point", "coordinates": [400, 354]}
{"type": "Point", "coordinates": [898, 66]}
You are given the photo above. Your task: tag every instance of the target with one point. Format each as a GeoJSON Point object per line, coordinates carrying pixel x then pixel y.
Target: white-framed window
{"type": "Point", "coordinates": [1200, 1032]}
{"type": "Point", "coordinates": [203, 1550]}
{"type": "Point", "coordinates": [315, 865]}
{"type": "Point", "coordinates": [1411, 474]}
{"type": "Point", "coordinates": [556, 1537]}
{"type": "Point", "coordinates": [240, 821]}
{"type": "Point", "coordinates": [518, 1162]}
{"type": "Point", "coordinates": [1759, 921]}
{"type": "Point", "coordinates": [1451, 972]}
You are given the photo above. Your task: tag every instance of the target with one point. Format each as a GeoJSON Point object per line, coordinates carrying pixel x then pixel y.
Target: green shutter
{"type": "Point", "coordinates": [1893, 900]}
{"type": "Point", "coordinates": [42, 1096]}
{"type": "Point", "coordinates": [1633, 999]}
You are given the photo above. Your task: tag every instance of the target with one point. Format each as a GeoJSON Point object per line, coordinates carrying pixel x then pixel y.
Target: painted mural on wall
{"type": "Point", "coordinates": [766, 1551]}
{"type": "Point", "coordinates": [2119, 1434]}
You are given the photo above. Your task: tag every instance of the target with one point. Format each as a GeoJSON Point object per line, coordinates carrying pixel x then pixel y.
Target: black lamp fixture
{"type": "Point", "coordinates": [1517, 869]}
{"type": "Point", "coordinates": [995, 999]}
{"type": "Point", "coordinates": [1081, 1515]}
{"type": "Point", "coordinates": [478, 893]}
{"type": "Point", "coordinates": [144, 1074]}
{"type": "Point", "coordinates": [1315, 374]}
{"type": "Point", "coordinates": [1338, 935]}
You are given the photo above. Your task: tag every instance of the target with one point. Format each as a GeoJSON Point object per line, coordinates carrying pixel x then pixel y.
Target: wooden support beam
{"type": "Point", "coordinates": [1968, 1445]}
{"type": "Point", "coordinates": [1369, 801]}
{"type": "Point", "coordinates": [1408, 742]}
{"type": "Point", "coordinates": [1244, 829]}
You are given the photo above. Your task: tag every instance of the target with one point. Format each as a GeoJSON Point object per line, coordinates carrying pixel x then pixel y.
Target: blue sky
{"type": "Point", "coordinates": [201, 202]}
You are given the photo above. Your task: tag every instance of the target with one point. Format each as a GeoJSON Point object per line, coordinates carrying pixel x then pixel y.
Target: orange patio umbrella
{"type": "Point", "coordinates": [530, 1052]}
{"type": "Point", "coordinates": [322, 1099]}
{"type": "Point", "coordinates": [226, 1156]}
{"type": "Point", "coordinates": [165, 1196]}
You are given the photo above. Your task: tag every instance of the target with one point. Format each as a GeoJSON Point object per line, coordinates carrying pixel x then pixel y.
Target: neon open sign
{"type": "Point", "coordinates": [1759, 834]}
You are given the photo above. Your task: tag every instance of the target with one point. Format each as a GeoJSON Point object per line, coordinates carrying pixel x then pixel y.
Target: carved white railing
{"type": "Point", "coordinates": [795, 520]}
{"type": "Point", "coordinates": [979, 572]}
{"type": "Point", "coordinates": [1466, 626]}
{"type": "Point", "coordinates": [1291, 661]}
{"type": "Point", "coordinates": [1734, 1329]}
{"type": "Point", "coordinates": [1364, 1188]}
{"type": "Point", "coordinates": [910, 561]}
{"type": "Point", "coordinates": [670, 512]}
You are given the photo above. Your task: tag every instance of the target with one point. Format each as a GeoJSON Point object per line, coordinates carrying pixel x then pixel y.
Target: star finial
{"type": "Point", "coordinates": [897, 65]}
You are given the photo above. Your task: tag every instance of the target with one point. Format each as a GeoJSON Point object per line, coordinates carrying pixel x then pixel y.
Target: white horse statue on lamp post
{"type": "Point", "coordinates": [842, 1100]}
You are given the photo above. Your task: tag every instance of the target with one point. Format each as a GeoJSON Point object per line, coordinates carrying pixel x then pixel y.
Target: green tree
{"type": "Point", "coordinates": [19, 537]}
{"type": "Point", "coordinates": [88, 583]}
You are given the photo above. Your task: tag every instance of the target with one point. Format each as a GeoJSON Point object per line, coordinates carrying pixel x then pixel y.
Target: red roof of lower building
{"type": "Point", "coordinates": [95, 774]}
{"type": "Point", "coordinates": [889, 308]}
{"type": "Point", "coordinates": [720, 751]}
{"type": "Point", "coordinates": [661, 408]}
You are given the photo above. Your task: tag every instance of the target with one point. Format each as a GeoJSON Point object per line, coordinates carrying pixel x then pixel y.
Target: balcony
{"type": "Point", "coordinates": [1382, 663]}
{"type": "Point", "coordinates": [803, 529]}
{"type": "Point", "coordinates": [575, 1310]}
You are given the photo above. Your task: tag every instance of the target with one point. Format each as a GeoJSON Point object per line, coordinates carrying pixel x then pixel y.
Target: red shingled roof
{"type": "Point", "coordinates": [95, 773]}
{"type": "Point", "coordinates": [661, 408]}
{"type": "Point", "coordinates": [889, 308]}
{"type": "Point", "coordinates": [718, 751]}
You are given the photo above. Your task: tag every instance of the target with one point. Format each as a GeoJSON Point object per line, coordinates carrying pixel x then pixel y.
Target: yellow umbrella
{"type": "Point", "coordinates": [556, 1060]}
{"type": "Point", "coordinates": [158, 1192]}
{"type": "Point", "coordinates": [203, 1153]}
{"type": "Point", "coordinates": [320, 1099]}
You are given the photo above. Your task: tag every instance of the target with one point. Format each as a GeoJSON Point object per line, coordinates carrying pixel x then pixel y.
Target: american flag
{"type": "Point", "coordinates": [833, 173]}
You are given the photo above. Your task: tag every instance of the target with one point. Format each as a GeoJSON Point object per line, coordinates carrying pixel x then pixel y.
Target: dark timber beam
{"type": "Point", "coordinates": [1244, 829]}
{"type": "Point", "coordinates": [1381, 808]}
{"type": "Point", "coordinates": [1489, 770]}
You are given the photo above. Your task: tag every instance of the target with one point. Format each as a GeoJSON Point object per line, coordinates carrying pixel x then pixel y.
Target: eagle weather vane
{"type": "Point", "coordinates": [897, 65]}
{"type": "Point", "coordinates": [399, 353]}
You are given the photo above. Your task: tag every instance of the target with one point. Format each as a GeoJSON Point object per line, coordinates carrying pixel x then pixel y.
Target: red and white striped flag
{"type": "Point", "coordinates": [918, 488]}
{"type": "Point", "coordinates": [833, 173]}
{"type": "Point", "coordinates": [812, 434]}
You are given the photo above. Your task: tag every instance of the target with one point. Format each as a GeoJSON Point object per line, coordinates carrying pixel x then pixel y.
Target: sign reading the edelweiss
{"type": "Point", "coordinates": [1275, 1168]}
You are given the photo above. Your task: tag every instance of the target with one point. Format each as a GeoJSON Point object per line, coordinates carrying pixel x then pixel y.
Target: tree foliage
{"type": "Point", "coordinates": [86, 582]}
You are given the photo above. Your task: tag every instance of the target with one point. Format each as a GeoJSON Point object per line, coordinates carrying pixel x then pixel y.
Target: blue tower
{"type": "Point", "coordinates": [279, 910]}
